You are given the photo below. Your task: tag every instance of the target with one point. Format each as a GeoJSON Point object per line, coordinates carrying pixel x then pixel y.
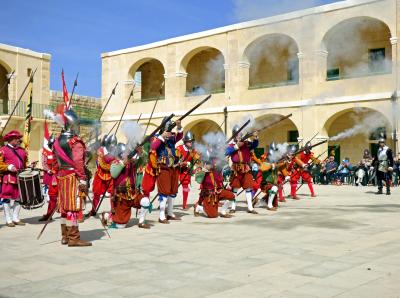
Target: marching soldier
{"type": "Point", "coordinates": [300, 169]}
{"type": "Point", "coordinates": [186, 155]}
{"type": "Point", "coordinates": [102, 181]}
{"type": "Point", "coordinates": [50, 166]}
{"type": "Point", "coordinates": [126, 196]}
{"type": "Point", "coordinates": [13, 159]}
{"type": "Point", "coordinates": [384, 166]}
{"type": "Point", "coordinates": [162, 169]}
{"type": "Point", "coordinates": [239, 152]}
{"type": "Point", "coordinates": [70, 152]}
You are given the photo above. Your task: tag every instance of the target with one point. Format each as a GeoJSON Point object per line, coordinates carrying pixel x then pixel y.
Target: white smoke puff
{"type": "Point", "coordinates": [365, 126]}
{"type": "Point", "coordinates": [58, 118]}
{"type": "Point", "coordinates": [214, 146]}
{"type": "Point", "coordinates": [133, 133]}
{"type": "Point", "coordinates": [277, 155]}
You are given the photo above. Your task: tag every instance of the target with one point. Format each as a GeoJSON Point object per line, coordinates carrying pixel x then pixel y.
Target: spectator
{"type": "Point", "coordinates": [328, 173]}
{"type": "Point", "coordinates": [344, 170]}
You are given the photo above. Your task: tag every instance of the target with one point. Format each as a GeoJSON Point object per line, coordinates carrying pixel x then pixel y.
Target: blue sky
{"type": "Point", "coordinates": [76, 32]}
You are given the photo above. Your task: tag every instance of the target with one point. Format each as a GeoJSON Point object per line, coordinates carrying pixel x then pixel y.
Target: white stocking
{"type": "Point", "coordinates": [163, 203]}
{"type": "Point", "coordinates": [249, 199]}
{"type": "Point", "coordinates": [145, 203]}
{"type": "Point", "coordinates": [170, 206]}
{"type": "Point", "coordinates": [225, 207]}
{"type": "Point", "coordinates": [7, 212]}
{"type": "Point", "coordinates": [17, 209]}
{"type": "Point", "coordinates": [272, 194]}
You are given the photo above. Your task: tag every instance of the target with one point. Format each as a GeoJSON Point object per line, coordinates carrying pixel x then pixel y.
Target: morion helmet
{"type": "Point", "coordinates": [71, 121]}
{"type": "Point", "coordinates": [189, 137]}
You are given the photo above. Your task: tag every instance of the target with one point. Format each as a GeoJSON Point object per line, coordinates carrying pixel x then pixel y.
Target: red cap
{"type": "Point", "coordinates": [14, 134]}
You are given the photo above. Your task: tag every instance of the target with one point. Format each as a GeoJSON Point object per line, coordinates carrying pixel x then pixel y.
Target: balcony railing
{"type": "Point", "coordinates": [334, 76]}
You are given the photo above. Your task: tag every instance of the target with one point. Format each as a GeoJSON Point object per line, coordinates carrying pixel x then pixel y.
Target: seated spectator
{"type": "Point", "coordinates": [344, 170]}
{"type": "Point", "coordinates": [328, 172]}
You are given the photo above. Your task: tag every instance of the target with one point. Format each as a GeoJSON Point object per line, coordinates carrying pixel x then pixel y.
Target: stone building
{"type": "Point", "coordinates": [16, 65]}
{"type": "Point", "coordinates": [334, 67]}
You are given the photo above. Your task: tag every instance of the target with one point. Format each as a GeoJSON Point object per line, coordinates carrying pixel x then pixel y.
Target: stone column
{"type": "Point", "coordinates": [243, 76]}
{"type": "Point", "coordinates": [395, 97]}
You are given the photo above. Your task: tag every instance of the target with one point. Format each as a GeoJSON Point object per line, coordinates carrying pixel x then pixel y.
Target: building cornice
{"type": "Point", "coordinates": [25, 52]}
{"type": "Point", "coordinates": [244, 25]}
{"type": "Point", "coordinates": [266, 106]}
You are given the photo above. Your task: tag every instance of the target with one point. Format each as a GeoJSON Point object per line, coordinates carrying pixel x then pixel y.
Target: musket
{"type": "Point", "coordinates": [140, 116]}
{"type": "Point", "coordinates": [153, 133]}
{"type": "Point", "coordinates": [123, 112]}
{"type": "Point", "coordinates": [73, 90]}
{"type": "Point", "coordinates": [190, 111]}
{"type": "Point", "coordinates": [18, 101]}
{"type": "Point", "coordinates": [7, 81]}
{"type": "Point", "coordinates": [238, 131]}
{"type": "Point", "coordinates": [108, 100]}
{"type": "Point", "coordinates": [154, 107]}
{"type": "Point", "coordinates": [249, 134]}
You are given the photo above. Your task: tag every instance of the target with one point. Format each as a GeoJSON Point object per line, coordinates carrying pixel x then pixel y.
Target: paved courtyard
{"type": "Point", "coordinates": [345, 243]}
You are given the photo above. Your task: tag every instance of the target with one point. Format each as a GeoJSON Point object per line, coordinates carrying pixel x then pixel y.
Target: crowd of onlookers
{"type": "Point", "coordinates": [362, 173]}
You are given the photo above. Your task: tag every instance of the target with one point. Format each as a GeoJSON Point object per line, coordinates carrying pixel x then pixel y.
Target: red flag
{"type": "Point", "coordinates": [65, 91]}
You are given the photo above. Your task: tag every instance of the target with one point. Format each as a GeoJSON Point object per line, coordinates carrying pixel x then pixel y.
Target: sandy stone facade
{"type": "Point", "coordinates": [332, 67]}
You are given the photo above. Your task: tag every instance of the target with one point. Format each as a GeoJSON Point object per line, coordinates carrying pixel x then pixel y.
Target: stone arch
{"type": "Point", "coordinates": [148, 74]}
{"type": "Point", "coordinates": [357, 47]}
{"type": "Point", "coordinates": [356, 129]}
{"type": "Point", "coordinates": [283, 132]}
{"type": "Point", "coordinates": [201, 127]}
{"type": "Point", "coordinates": [205, 71]}
{"type": "Point", "coordinates": [273, 61]}
{"type": "Point", "coordinates": [4, 86]}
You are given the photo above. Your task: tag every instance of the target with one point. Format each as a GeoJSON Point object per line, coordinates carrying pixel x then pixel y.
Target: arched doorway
{"type": "Point", "coordinates": [201, 127]}
{"type": "Point", "coordinates": [148, 75]}
{"type": "Point", "coordinates": [283, 132]}
{"type": "Point", "coordinates": [205, 71]}
{"type": "Point", "coordinates": [4, 83]}
{"type": "Point", "coordinates": [358, 47]}
{"type": "Point", "coordinates": [273, 61]}
{"type": "Point", "coordinates": [352, 131]}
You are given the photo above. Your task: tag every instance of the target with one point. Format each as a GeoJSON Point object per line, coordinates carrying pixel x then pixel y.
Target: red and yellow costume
{"type": "Point", "coordinates": [102, 181]}
{"type": "Point", "coordinates": [299, 169]}
{"type": "Point", "coordinates": [50, 166]}
{"type": "Point", "coordinates": [186, 157]}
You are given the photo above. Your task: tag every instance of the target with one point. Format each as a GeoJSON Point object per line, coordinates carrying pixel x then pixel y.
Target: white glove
{"type": "Point", "coordinates": [390, 169]}
{"type": "Point", "coordinates": [287, 178]}
{"type": "Point", "coordinates": [371, 168]}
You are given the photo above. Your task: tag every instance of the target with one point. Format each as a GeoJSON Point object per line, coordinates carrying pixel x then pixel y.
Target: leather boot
{"type": "Point", "coordinates": [74, 238]}
{"type": "Point", "coordinates": [64, 234]}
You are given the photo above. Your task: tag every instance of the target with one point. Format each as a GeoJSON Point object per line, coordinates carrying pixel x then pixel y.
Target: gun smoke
{"type": "Point", "coordinates": [365, 125]}
{"type": "Point", "coordinates": [133, 133]}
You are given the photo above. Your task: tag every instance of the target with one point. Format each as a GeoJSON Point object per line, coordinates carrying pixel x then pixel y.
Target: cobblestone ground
{"type": "Point", "coordinates": [345, 243]}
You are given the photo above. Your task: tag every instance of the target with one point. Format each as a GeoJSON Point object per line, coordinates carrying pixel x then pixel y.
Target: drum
{"type": "Point", "coordinates": [30, 189]}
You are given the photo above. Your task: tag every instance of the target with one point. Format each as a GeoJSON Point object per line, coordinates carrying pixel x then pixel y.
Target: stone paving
{"type": "Point", "coordinates": [345, 243]}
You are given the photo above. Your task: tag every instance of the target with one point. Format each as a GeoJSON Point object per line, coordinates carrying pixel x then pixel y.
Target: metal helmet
{"type": "Point", "coordinates": [382, 140]}
{"type": "Point", "coordinates": [273, 146]}
{"type": "Point", "coordinates": [189, 137]}
{"type": "Point", "coordinates": [293, 149]}
{"type": "Point", "coordinates": [112, 140]}
{"type": "Point", "coordinates": [103, 141]}
{"type": "Point", "coordinates": [166, 125]}
{"type": "Point", "coordinates": [235, 129]}
{"type": "Point", "coordinates": [71, 121]}
{"type": "Point", "coordinates": [121, 148]}
{"type": "Point", "coordinates": [307, 147]}
{"type": "Point", "coordinates": [51, 141]}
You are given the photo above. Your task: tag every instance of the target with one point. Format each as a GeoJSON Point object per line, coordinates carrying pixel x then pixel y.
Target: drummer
{"type": "Point", "coordinates": [13, 159]}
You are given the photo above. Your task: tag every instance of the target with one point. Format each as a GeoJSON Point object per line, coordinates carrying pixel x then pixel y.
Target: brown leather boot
{"type": "Point", "coordinates": [64, 234]}
{"type": "Point", "coordinates": [74, 238]}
